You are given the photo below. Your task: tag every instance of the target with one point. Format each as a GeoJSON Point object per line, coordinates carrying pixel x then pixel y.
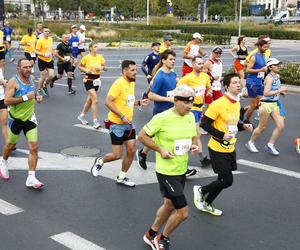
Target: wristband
{"type": "Point", "coordinates": [25, 98]}
{"type": "Point", "coordinates": [139, 102]}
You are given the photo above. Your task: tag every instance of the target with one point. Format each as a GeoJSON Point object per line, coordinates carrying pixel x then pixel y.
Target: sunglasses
{"type": "Point", "coordinates": [218, 53]}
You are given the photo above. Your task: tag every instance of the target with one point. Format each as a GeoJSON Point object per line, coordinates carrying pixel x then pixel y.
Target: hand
{"type": "Point", "coordinates": [166, 154]}
{"type": "Point", "coordinates": [171, 99]}
{"type": "Point", "coordinates": [195, 149]}
{"type": "Point", "coordinates": [39, 98]}
{"type": "Point", "coordinates": [228, 136]}
{"type": "Point", "coordinates": [248, 127]}
{"type": "Point", "coordinates": [149, 77]}
{"type": "Point", "coordinates": [209, 92]}
{"type": "Point", "coordinates": [31, 95]}
{"type": "Point", "coordinates": [264, 69]}
{"type": "Point", "coordinates": [282, 91]}
{"type": "Point", "coordinates": [145, 102]}
{"type": "Point", "coordinates": [244, 92]}
{"type": "Point", "coordinates": [126, 120]}
{"type": "Point", "coordinates": [48, 55]}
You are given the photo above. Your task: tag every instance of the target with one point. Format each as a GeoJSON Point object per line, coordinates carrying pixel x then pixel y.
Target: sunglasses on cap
{"type": "Point", "coordinates": [188, 99]}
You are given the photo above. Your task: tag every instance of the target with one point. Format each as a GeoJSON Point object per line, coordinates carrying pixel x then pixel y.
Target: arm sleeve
{"type": "Point", "coordinates": [144, 64]}
{"type": "Point", "coordinates": [206, 125]}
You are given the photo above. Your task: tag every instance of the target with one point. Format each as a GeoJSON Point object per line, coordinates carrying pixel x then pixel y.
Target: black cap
{"type": "Point", "coordinates": [29, 30]}
{"type": "Point", "coordinates": [155, 44]}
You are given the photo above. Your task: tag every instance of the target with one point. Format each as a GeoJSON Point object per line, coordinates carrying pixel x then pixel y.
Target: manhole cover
{"type": "Point", "coordinates": [80, 151]}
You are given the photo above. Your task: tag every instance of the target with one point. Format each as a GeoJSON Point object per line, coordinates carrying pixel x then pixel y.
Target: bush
{"type": "Point", "coordinates": [290, 74]}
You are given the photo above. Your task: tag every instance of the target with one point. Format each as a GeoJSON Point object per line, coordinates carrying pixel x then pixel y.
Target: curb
{"type": "Point", "coordinates": [292, 89]}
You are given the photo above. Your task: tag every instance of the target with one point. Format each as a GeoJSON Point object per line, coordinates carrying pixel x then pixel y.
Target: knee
{"type": "Point", "coordinates": [227, 181]}
{"type": "Point", "coordinates": [262, 127]}
{"type": "Point", "coordinates": [280, 127]}
{"type": "Point", "coordinates": [34, 149]}
{"type": "Point", "coordinates": [117, 156]}
{"type": "Point", "coordinates": [183, 213]}
{"type": "Point", "coordinates": [131, 151]}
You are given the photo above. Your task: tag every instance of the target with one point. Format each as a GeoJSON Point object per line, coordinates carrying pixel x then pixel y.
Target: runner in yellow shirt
{"type": "Point", "coordinates": [44, 51]}
{"type": "Point", "coordinates": [267, 52]}
{"type": "Point", "coordinates": [199, 81]}
{"type": "Point", "coordinates": [92, 65]}
{"type": "Point", "coordinates": [29, 41]}
{"type": "Point", "coordinates": [120, 101]}
{"type": "Point", "coordinates": [167, 44]}
{"type": "Point", "coordinates": [2, 52]}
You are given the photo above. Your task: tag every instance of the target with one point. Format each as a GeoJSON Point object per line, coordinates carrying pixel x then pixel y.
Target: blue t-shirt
{"type": "Point", "coordinates": [163, 84]}
{"type": "Point", "coordinates": [257, 78]}
{"type": "Point", "coordinates": [74, 42]}
{"type": "Point", "coordinates": [150, 61]}
{"type": "Point", "coordinates": [7, 32]}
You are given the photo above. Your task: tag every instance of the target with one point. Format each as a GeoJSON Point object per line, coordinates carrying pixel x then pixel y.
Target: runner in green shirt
{"type": "Point", "coordinates": [175, 134]}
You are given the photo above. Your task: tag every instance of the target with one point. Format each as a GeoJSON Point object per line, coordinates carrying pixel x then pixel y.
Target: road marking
{"type": "Point", "coordinates": [57, 161]}
{"type": "Point", "coordinates": [75, 242]}
{"type": "Point", "coordinates": [89, 127]}
{"type": "Point", "coordinates": [8, 208]}
{"type": "Point", "coordinates": [269, 168]}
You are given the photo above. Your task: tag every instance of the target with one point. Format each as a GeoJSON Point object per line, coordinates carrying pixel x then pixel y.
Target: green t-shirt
{"type": "Point", "coordinates": [174, 133]}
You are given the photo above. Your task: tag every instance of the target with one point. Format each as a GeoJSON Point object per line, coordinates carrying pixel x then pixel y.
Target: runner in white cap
{"type": "Point", "coordinates": [191, 50]}
{"type": "Point", "coordinates": [81, 36]}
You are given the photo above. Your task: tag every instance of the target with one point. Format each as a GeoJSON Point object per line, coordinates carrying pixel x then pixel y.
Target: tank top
{"type": "Point", "coordinates": [23, 111]}
{"type": "Point", "coordinates": [260, 62]}
{"type": "Point", "coordinates": [276, 83]}
{"type": "Point", "coordinates": [216, 71]}
{"type": "Point", "coordinates": [194, 51]}
{"type": "Point", "coordinates": [242, 53]}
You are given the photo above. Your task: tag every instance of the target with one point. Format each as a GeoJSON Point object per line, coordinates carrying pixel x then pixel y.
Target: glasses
{"type": "Point", "coordinates": [218, 53]}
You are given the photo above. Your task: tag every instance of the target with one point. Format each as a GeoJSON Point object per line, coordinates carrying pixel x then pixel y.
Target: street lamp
{"type": "Point", "coordinates": [148, 7]}
{"type": "Point", "coordinates": [240, 17]}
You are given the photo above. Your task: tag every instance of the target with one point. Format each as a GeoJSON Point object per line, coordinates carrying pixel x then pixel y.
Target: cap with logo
{"type": "Point", "coordinates": [272, 61]}
{"type": "Point", "coordinates": [82, 27]}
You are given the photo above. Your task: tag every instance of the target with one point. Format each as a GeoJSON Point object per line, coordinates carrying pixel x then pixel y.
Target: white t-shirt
{"type": "Point", "coordinates": [81, 37]}
{"type": "Point", "coordinates": [217, 71]}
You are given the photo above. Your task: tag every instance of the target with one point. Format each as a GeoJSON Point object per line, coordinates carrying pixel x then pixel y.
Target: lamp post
{"type": "Point", "coordinates": [148, 8]}
{"type": "Point", "coordinates": [2, 10]}
{"type": "Point", "coordinates": [240, 17]}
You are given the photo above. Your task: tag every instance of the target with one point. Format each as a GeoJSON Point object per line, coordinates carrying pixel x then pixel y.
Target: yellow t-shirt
{"type": "Point", "coordinates": [2, 47]}
{"type": "Point", "coordinates": [45, 46]}
{"type": "Point", "coordinates": [199, 84]}
{"type": "Point", "coordinates": [162, 48]}
{"type": "Point", "coordinates": [92, 62]}
{"type": "Point", "coordinates": [267, 54]}
{"type": "Point", "coordinates": [123, 92]}
{"type": "Point", "coordinates": [29, 43]}
{"type": "Point", "coordinates": [226, 116]}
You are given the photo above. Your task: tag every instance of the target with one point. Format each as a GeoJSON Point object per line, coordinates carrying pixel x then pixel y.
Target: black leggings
{"type": "Point", "coordinates": [213, 189]}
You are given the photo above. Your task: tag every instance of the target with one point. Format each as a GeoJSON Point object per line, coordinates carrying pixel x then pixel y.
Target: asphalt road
{"type": "Point", "coordinates": [260, 209]}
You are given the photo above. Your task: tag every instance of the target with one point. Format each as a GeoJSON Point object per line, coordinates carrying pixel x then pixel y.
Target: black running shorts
{"type": "Point", "coordinates": [45, 65]}
{"type": "Point", "coordinates": [222, 163]}
{"type": "Point", "coordinates": [61, 67]}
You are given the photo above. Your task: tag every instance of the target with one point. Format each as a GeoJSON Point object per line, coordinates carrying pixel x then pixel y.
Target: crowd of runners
{"type": "Point", "coordinates": [200, 101]}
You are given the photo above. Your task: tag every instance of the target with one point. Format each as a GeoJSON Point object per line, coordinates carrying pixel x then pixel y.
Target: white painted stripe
{"type": "Point", "coordinates": [9, 209]}
{"type": "Point", "coordinates": [269, 168]}
{"type": "Point", "coordinates": [75, 242]}
{"type": "Point", "coordinates": [102, 130]}
{"type": "Point", "coordinates": [63, 84]}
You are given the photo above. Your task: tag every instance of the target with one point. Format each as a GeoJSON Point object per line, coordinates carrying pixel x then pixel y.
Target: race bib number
{"type": "Point", "coordinates": [8, 38]}
{"type": "Point", "coordinates": [242, 62]}
{"type": "Point", "coordinates": [260, 74]}
{"type": "Point", "coordinates": [199, 91]}
{"type": "Point", "coordinates": [130, 101]}
{"type": "Point", "coordinates": [170, 93]}
{"type": "Point", "coordinates": [33, 119]}
{"type": "Point", "coordinates": [182, 147]}
{"type": "Point", "coordinates": [97, 82]}
{"type": "Point", "coordinates": [32, 54]}
{"type": "Point", "coordinates": [67, 58]}
{"type": "Point", "coordinates": [216, 86]}
{"type": "Point", "coordinates": [74, 44]}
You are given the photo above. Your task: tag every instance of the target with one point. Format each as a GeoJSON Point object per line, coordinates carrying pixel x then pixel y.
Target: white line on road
{"type": "Point", "coordinates": [9, 209]}
{"type": "Point", "coordinates": [102, 130]}
{"type": "Point", "coordinates": [75, 242]}
{"type": "Point", "coordinates": [269, 168]}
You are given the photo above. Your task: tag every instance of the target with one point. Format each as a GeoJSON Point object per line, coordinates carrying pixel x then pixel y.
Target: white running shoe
{"type": "Point", "coordinates": [210, 208]}
{"type": "Point", "coordinates": [203, 132]}
{"type": "Point", "coordinates": [96, 125]}
{"type": "Point", "coordinates": [82, 120]}
{"type": "Point", "coordinates": [251, 147]}
{"type": "Point", "coordinates": [33, 182]}
{"type": "Point", "coordinates": [98, 164]}
{"type": "Point", "coordinates": [271, 149]}
{"type": "Point", "coordinates": [125, 182]}
{"type": "Point", "coordinates": [4, 173]}
{"type": "Point", "coordinates": [198, 197]}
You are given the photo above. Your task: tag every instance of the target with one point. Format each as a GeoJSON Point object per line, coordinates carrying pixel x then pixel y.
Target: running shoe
{"type": "Point", "coordinates": [33, 182]}
{"type": "Point", "coordinates": [125, 182]}
{"type": "Point", "coordinates": [141, 159]}
{"type": "Point", "coordinates": [71, 91]}
{"type": "Point", "coordinates": [251, 147]}
{"type": "Point", "coordinates": [51, 84]}
{"type": "Point", "coordinates": [46, 90]}
{"type": "Point", "coordinates": [4, 173]}
{"type": "Point", "coordinates": [205, 162]}
{"type": "Point", "coordinates": [96, 125]}
{"type": "Point", "coordinates": [42, 92]}
{"type": "Point", "coordinates": [98, 164]}
{"type": "Point", "coordinates": [149, 240]}
{"type": "Point", "coordinates": [210, 208]}
{"type": "Point", "coordinates": [297, 143]}
{"type": "Point", "coordinates": [271, 149]}
{"type": "Point", "coordinates": [161, 244]}
{"type": "Point", "coordinates": [198, 197]}
{"type": "Point", "coordinates": [12, 60]}
{"type": "Point", "coordinates": [190, 172]}
{"type": "Point", "coordinates": [203, 132]}
{"type": "Point", "coordinates": [82, 120]}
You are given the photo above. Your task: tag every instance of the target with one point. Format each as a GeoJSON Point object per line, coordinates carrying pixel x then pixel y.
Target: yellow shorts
{"type": "Point", "coordinates": [269, 107]}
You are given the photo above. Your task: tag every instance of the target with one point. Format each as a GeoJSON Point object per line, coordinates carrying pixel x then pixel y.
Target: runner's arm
{"type": "Point", "coordinates": [202, 52]}
{"type": "Point", "coordinates": [206, 125]}
{"type": "Point", "coordinates": [109, 103]}
{"type": "Point", "coordinates": [155, 97]}
{"type": "Point", "coordinates": [146, 140]}
{"type": "Point", "coordinates": [56, 53]}
{"type": "Point", "coordinates": [250, 66]}
{"type": "Point", "coordinates": [235, 48]}
{"type": "Point", "coordinates": [10, 92]}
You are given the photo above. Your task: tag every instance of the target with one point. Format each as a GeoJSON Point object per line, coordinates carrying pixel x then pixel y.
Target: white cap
{"type": "Point", "coordinates": [197, 35]}
{"type": "Point", "coordinates": [272, 61]}
{"type": "Point", "coordinates": [82, 27]}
